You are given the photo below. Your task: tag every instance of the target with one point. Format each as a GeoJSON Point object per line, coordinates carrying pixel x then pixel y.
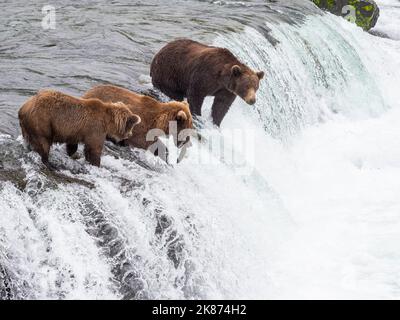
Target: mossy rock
{"type": "Point", "coordinates": [366, 11]}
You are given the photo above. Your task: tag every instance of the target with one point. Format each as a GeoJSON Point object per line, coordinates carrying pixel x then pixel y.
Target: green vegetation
{"type": "Point", "coordinates": [364, 13]}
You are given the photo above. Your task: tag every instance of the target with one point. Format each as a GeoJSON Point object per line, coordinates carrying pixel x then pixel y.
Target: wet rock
{"type": "Point", "coordinates": [12, 157]}
{"type": "Point", "coordinates": [176, 249]}
{"type": "Point", "coordinates": [121, 258]}
{"type": "Point", "coordinates": [163, 223]}
{"type": "Point", "coordinates": [5, 285]}
{"type": "Point", "coordinates": [16, 177]}
{"type": "Point", "coordinates": [60, 178]}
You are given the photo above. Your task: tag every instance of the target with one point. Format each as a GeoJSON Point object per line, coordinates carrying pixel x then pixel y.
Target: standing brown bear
{"type": "Point", "coordinates": [53, 117]}
{"type": "Point", "coordinates": [154, 114]}
{"type": "Point", "coordinates": [186, 68]}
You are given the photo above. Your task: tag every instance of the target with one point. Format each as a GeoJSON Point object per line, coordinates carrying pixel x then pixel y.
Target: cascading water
{"type": "Point", "coordinates": [315, 217]}
{"type": "Point", "coordinates": [336, 165]}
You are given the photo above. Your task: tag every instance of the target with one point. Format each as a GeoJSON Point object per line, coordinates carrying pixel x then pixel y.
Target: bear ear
{"type": "Point", "coordinates": [236, 70]}
{"type": "Point", "coordinates": [186, 103]}
{"type": "Point", "coordinates": [260, 74]}
{"type": "Point", "coordinates": [131, 122]}
{"type": "Point", "coordinates": [181, 116]}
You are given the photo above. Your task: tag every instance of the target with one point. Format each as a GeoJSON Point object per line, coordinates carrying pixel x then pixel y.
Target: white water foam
{"type": "Point", "coordinates": [388, 22]}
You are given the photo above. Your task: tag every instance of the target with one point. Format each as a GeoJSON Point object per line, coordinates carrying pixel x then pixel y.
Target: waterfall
{"type": "Point", "coordinates": [315, 217]}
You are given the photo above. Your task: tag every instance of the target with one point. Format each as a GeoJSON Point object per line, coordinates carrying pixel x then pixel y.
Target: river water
{"type": "Point", "coordinates": [314, 215]}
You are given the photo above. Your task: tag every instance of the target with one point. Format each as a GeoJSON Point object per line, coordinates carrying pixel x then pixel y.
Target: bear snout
{"type": "Point", "coordinates": [250, 97]}
{"type": "Point", "coordinates": [251, 101]}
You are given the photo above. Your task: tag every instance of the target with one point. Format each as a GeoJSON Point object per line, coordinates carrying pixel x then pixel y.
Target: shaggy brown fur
{"type": "Point", "coordinates": [186, 68]}
{"type": "Point", "coordinates": [53, 117]}
{"type": "Point", "coordinates": [154, 114]}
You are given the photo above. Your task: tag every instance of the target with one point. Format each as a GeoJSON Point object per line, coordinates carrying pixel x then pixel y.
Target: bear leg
{"type": "Point", "coordinates": [93, 155]}
{"type": "Point", "coordinates": [195, 103]}
{"type": "Point", "coordinates": [42, 146]}
{"type": "Point", "coordinates": [169, 92]}
{"type": "Point", "coordinates": [222, 102]}
{"type": "Point", "coordinates": [71, 149]}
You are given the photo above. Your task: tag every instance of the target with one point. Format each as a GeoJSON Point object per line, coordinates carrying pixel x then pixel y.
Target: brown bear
{"type": "Point", "coordinates": [54, 117]}
{"type": "Point", "coordinates": [186, 68]}
{"type": "Point", "coordinates": [154, 114]}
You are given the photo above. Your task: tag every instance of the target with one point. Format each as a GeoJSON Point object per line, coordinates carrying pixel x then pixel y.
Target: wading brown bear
{"type": "Point", "coordinates": [186, 68]}
{"type": "Point", "coordinates": [53, 117]}
{"type": "Point", "coordinates": [154, 114]}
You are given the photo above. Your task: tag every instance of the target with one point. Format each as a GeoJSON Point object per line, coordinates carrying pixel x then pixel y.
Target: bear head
{"type": "Point", "coordinates": [244, 82]}
{"type": "Point", "coordinates": [180, 113]}
{"type": "Point", "coordinates": [122, 122]}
